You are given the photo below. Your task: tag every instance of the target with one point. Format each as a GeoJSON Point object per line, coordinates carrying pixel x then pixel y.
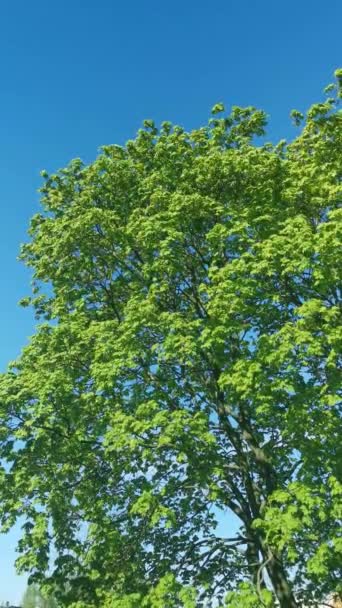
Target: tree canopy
{"type": "Point", "coordinates": [185, 366]}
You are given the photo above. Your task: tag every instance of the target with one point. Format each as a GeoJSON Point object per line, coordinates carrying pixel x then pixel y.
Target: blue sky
{"type": "Point", "coordinates": [76, 75]}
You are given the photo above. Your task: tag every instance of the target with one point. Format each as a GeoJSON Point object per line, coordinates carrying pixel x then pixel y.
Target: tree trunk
{"type": "Point", "coordinates": [281, 586]}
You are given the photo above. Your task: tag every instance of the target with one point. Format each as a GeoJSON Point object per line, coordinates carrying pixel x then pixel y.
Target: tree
{"type": "Point", "coordinates": [33, 598]}
{"type": "Point", "coordinates": [185, 364]}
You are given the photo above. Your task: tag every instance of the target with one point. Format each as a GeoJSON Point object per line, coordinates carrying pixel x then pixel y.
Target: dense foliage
{"type": "Point", "coordinates": [185, 367]}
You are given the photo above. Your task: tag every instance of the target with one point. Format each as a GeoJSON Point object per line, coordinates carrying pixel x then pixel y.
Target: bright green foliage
{"type": "Point", "coordinates": [186, 361]}
{"type": "Point", "coordinates": [247, 596]}
{"type": "Point", "coordinates": [168, 593]}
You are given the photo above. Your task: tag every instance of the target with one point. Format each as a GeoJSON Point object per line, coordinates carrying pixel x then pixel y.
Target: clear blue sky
{"type": "Point", "coordinates": [79, 74]}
